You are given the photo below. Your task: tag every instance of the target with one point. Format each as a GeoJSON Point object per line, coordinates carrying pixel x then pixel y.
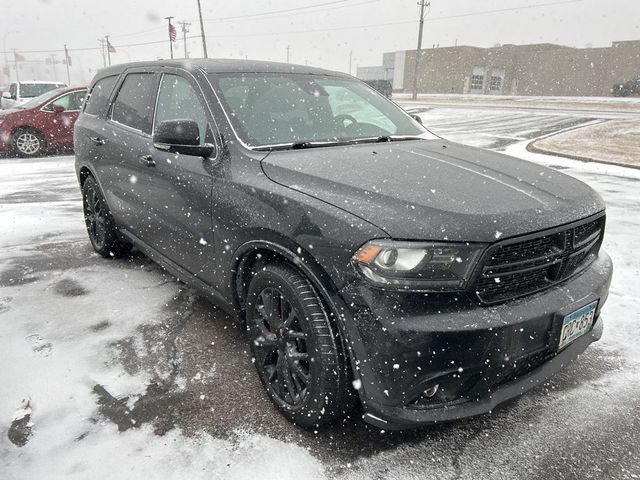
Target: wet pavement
{"type": "Point", "coordinates": [199, 377]}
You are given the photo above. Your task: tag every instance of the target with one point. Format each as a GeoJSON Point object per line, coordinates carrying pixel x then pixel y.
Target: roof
{"type": "Point", "coordinates": [220, 65]}
{"type": "Point", "coordinates": [41, 81]}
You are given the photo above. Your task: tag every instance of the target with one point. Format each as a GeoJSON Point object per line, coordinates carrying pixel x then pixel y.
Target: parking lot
{"type": "Point", "coordinates": [116, 358]}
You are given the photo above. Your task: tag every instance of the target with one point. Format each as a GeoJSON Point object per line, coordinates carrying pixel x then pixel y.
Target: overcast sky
{"type": "Point", "coordinates": [320, 32]}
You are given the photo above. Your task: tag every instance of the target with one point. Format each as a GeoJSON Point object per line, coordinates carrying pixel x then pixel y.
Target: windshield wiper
{"type": "Point", "coordinates": [300, 145]}
{"type": "Point", "coordinates": [391, 138]}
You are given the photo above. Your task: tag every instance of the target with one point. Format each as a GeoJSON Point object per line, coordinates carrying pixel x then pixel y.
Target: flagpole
{"type": "Point", "coordinates": [108, 49]}
{"type": "Point", "coordinates": [170, 42]}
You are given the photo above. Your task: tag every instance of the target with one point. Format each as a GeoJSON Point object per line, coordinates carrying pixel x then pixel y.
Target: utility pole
{"type": "Point", "coordinates": [185, 30]}
{"type": "Point", "coordinates": [104, 59]}
{"type": "Point", "coordinates": [67, 60]}
{"type": "Point", "coordinates": [106, 38]}
{"type": "Point", "coordinates": [204, 41]}
{"type": "Point", "coordinates": [288, 48]}
{"type": "Point", "coordinates": [423, 5]}
{"type": "Point", "coordinates": [350, 58]}
{"type": "Point", "coordinates": [170, 41]}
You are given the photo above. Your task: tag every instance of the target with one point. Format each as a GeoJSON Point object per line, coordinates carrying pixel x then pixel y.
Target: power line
{"type": "Point", "coordinates": [267, 15]}
{"type": "Point", "coordinates": [333, 29]}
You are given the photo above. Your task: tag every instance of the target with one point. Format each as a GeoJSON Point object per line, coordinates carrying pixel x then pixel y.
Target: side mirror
{"type": "Point", "coordinates": [417, 118]}
{"type": "Point", "coordinates": [6, 95]}
{"type": "Point", "coordinates": [58, 109]}
{"type": "Point", "coordinates": [181, 136]}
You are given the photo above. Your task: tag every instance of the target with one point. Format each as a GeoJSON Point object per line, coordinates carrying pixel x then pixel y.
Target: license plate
{"type": "Point", "coordinates": [577, 324]}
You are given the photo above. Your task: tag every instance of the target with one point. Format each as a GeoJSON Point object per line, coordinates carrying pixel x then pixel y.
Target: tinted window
{"type": "Point", "coordinates": [177, 100]}
{"type": "Point", "coordinates": [134, 104]}
{"type": "Point", "coordinates": [99, 96]}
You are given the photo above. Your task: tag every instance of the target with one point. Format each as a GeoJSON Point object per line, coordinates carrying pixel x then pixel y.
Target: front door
{"type": "Point", "coordinates": [59, 125]}
{"type": "Point", "coordinates": [183, 183]}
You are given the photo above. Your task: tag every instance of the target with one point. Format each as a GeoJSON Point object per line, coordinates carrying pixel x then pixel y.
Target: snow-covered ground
{"type": "Point", "coordinates": [611, 141]}
{"type": "Point", "coordinates": [616, 105]}
{"type": "Point", "coordinates": [112, 369]}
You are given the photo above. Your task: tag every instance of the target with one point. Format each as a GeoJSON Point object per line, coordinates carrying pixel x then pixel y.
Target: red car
{"type": "Point", "coordinates": [43, 123]}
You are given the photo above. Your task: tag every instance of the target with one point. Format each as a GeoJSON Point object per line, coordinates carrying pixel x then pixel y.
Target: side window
{"type": "Point", "coordinates": [97, 100]}
{"type": "Point", "coordinates": [13, 90]}
{"type": "Point", "coordinates": [178, 101]}
{"type": "Point", "coordinates": [72, 102]}
{"type": "Point", "coordinates": [134, 103]}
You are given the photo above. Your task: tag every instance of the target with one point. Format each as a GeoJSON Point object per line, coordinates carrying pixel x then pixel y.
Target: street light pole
{"type": "Point", "coordinates": [15, 61]}
{"type": "Point", "coordinates": [423, 4]}
{"type": "Point", "coordinates": [288, 48]}
{"type": "Point", "coordinates": [66, 61]}
{"type": "Point", "coordinates": [204, 40]}
{"type": "Point", "coordinates": [6, 55]}
{"type": "Point", "coordinates": [104, 59]}
{"type": "Point", "coordinates": [350, 58]}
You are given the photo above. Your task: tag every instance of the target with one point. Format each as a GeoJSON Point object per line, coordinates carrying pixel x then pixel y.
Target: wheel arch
{"type": "Point", "coordinates": [31, 128]}
{"type": "Point", "coordinates": [251, 253]}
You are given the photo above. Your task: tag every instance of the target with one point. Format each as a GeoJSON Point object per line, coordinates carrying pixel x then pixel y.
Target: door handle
{"type": "Point", "coordinates": [147, 160]}
{"type": "Point", "coordinates": [98, 140]}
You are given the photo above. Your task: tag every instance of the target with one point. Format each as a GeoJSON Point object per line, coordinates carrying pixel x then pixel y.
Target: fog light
{"type": "Point", "coordinates": [431, 391]}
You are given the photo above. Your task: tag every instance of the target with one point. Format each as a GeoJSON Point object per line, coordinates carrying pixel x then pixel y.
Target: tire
{"type": "Point", "coordinates": [27, 142]}
{"type": "Point", "coordinates": [298, 355]}
{"type": "Point", "coordinates": [101, 228]}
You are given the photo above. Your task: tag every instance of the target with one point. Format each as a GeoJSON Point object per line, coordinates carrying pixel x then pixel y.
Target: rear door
{"type": "Point", "coordinates": [127, 169]}
{"type": "Point", "coordinates": [90, 132]}
{"type": "Point", "coordinates": [181, 202]}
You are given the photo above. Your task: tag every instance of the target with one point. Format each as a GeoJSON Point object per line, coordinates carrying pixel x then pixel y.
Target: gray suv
{"type": "Point", "coordinates": [371, 262]}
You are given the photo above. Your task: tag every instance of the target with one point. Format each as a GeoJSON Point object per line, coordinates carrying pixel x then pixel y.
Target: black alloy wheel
{"type": "Point", "coordinates": [296, 348]}
{"type": "Point", "coordinates": [100, 225]}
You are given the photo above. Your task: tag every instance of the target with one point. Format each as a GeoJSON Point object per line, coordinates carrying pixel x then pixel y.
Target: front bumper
{"type": "Point", "coordinates": [403, 343]}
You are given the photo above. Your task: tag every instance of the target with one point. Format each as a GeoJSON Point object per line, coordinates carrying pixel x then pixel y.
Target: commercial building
{"type": "Point", "coordinates": [538, 69]}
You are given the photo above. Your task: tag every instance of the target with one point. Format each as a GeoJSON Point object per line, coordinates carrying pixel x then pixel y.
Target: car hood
{"type": "Point", "coordinates": [436, 190]}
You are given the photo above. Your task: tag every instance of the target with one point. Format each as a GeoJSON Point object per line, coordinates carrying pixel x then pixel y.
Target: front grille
{"type": "Point", "coordinates": [515, 268]}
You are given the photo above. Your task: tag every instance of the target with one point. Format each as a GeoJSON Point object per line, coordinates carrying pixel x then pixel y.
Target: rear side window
{"type": "Point", "coordinates": [134, 104]}
{"type": "Point", "coordinates": [97, 101]}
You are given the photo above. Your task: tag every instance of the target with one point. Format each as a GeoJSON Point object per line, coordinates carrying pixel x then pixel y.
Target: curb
{"type": "Point", "coordinates": [531, 147]}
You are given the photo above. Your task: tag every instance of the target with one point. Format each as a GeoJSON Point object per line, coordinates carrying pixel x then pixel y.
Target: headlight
{"type": "Point", "coordinates": [418, 266]}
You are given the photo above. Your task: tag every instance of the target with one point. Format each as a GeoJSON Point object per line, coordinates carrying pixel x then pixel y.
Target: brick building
{"type": "Point", "coordinates": [538, 69]}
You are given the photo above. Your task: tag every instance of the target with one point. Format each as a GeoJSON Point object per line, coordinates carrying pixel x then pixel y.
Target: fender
{"type": "Point", "coordinates": [349, 335]}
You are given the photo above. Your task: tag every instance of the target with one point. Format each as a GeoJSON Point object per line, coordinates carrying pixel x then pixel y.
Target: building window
{"type": "Point", "coordinates": [477, 82]}
{"type": "Point", "coordinates": [496, 84]}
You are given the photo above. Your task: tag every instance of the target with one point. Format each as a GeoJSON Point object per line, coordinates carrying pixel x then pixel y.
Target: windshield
{"type": "Point", "coordinates": [40, 99]}
{"type": "Point", "coordinates": [28, 90]}
{"type": "Point", "coordinates": [275, 109]}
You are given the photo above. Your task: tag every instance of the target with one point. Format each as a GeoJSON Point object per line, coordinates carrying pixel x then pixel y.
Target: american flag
{"type": "Point", "coordinates": [172, 33]}
{"type": "Point", "coordinates": [110, 47]}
